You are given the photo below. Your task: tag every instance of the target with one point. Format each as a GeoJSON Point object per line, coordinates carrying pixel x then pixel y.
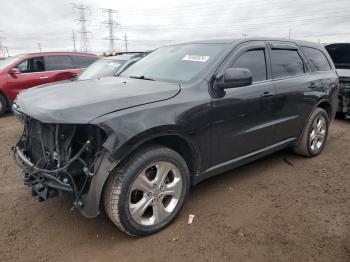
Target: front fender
{"type": "Point", "coordinates": [91, 200]}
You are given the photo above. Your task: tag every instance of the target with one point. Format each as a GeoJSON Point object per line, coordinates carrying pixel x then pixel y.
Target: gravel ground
{"type": "Point", "coordinates": [280, 208]}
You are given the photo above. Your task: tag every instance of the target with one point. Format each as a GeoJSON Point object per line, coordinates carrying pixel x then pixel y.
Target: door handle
{"type": "Point", "coordinates": [266, 94]}
{"type": "Point", "coordinates": [44, 77]}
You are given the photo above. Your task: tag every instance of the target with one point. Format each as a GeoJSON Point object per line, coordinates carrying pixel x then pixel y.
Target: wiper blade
{"type": "Point", "coordinates": [142, 77]}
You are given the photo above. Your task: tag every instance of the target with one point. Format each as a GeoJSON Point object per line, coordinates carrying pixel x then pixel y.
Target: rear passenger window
{"type": "Point", "coordinates": [58, 63]}
{"type": "Point", "coordinates": [317, 59]}
{"type": "Point", "coordinates": [255, 61]}
{"type": "Point", "coordinates": [286, 63]}
{"type": "Point", "coordinates": [83, 62]}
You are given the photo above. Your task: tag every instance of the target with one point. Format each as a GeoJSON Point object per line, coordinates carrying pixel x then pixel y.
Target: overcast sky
{"type": "Point", "coordinates": [153, 23]}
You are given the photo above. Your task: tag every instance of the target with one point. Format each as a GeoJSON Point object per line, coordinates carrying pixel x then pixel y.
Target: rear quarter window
{"type": "Point", "coordinates": [317, 59]}
{"type": "Point", "coordinates": [83, 61]}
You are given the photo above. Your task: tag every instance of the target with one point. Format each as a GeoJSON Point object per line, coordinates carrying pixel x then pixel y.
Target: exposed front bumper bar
{"type": "Point", "coordinates": [43, 184]}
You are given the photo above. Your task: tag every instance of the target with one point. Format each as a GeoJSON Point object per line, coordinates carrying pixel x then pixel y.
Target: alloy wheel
{"type": "Point", "coordinates": [318, 133]}
{"type": "Point", "coordinates": [155, 193]}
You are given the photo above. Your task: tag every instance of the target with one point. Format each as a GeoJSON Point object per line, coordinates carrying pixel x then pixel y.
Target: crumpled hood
{"type": "Point", "coordinates": [80, 102]}
{"type": "Point", "coordinates": [343, 73]}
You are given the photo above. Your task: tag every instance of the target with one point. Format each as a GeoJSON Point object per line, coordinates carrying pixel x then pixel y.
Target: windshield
{"type": "Point", "coordinates": [101, 68]}
{"type": "Point", "coordinates": [8, 61]}
{"type": "Point", "coordinates": [178, 63]}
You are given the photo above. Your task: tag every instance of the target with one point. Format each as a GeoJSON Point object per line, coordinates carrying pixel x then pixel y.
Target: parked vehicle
{"type": "Point", "coordinates": [340, 53]}
{"type": "Point", "coordinates": [111, 65]}
{"type": "Point", "coordinates": [21, 72]}
{"type": "Point", "coordinates": [134, 144]}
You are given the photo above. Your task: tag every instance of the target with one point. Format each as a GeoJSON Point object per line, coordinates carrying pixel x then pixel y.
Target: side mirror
{"type": "Point", "coordinates": [14, 72]}
{"type": "Point", "coordinates": [235, 77]}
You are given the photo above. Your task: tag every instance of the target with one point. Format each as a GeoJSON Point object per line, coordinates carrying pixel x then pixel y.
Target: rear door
{"type": "Point", "coordinates": [295, 89]}
{"type": "Point", "coordinates": [82, 62]}
{"type": "Point", "coordinates": [32, 74]}
{"type": "Point", "coordinates": [60, 67]}
{"type": "Point", "coordinates": [243, 119]}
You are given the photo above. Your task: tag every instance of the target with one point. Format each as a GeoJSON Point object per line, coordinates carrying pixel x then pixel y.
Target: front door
{"type": "Point", "coordinates": [32, 74]}
{"type": "Point", "coordinates": [243, 119]}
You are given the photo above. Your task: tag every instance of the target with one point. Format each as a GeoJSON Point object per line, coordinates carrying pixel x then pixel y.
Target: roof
{"type": "Point", "coordinates": [60, 53]}
{"type": "Point", "coordinates": [126, 56]}
{"type": "Point", "coordinates": [241, 40]}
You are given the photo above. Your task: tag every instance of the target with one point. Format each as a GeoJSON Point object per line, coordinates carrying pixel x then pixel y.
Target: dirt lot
{"type": "Point", "coordinates": [280, 208]}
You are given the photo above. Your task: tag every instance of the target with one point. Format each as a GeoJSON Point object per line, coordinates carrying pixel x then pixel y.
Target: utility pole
{"type": "Point", "coordinates": [84, 41]}
{"type": "Point", "coordinates": [290, 33]}
{"type": "Point", "coordinates": [73, 35]}
{"type": "Point", "coordinates": [111, 25]}
{"type": "Point", "coordinates": [126, 43]}
{"type": "Point", "coordinates": [39, 46]}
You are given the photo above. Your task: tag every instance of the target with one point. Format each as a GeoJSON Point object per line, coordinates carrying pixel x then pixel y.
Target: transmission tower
{"type": "Point", "coordinates": [111, 25]}
{"type": "Point", "coordinates": [126, 43]}
{"type": "Point", "coordinates": [7, 51]}
{"type": "Point", "coordinates": [73, 36]}
{"type": "Point", "coordinates": [2, 51]}
{"type": "Point", "coordinates": [84, 40]}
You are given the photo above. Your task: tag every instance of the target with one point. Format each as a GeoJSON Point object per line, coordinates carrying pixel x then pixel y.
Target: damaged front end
{"type": "Point", "coordinates": [344, 96]}
{"type": "Point", "coordinates": [58, 158]}
{"type": "Point", "coordinates": [340, 54]}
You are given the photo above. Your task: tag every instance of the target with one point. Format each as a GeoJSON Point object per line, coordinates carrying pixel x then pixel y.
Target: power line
{"type": "Point", "coordinates": [213, 7]}
{"type": "Point", "coordinates": [111, 25]}
{"type": "Point", "coordinates": [84, 41]}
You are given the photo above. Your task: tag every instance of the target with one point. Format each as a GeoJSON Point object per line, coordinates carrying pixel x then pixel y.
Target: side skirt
{"type": "Point", "coordinates": [240, 161]}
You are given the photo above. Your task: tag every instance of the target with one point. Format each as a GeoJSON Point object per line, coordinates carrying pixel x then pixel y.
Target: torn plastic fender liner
{"type": "Point", "coordinates": [91, 200]}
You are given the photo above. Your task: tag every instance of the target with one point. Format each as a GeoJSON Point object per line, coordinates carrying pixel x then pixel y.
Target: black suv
{"type": "Point", "coordinates": [134, 144]}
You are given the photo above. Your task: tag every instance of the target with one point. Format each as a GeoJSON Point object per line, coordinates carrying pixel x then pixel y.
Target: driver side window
{"type": "Point", "coordinates": [255, 61]}
{"type": "Point", "coordinates": [32, 65]}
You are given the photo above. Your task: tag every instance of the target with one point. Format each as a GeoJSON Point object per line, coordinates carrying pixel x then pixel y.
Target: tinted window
{"type": "Point", "coordinates": [58, 63]}
{"type": "Point", "coordinates": [317, 59]}
{"type": "Point", "coordinates": [31, 65]}
{"type": "Point", "coordinates": [253, 60]}
{"type": "Point", "coordinates": [286, 63]}
{"type": "Point", "coordinates": [82, 62]}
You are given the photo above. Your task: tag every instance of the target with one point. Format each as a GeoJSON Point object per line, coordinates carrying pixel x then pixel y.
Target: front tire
{"type": "Point", "coordinates": [145, 194]}
{"type": "Point", "coordinates": [3, 105]}
{"type": "Point", "coordinates": [314, 136]}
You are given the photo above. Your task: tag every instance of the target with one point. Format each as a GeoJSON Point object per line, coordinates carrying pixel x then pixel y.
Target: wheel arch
{"type": "Point", "coordinates": [6, 99]}
{"type": "Point", "coordinates": [326, 105]}
{"type": "Point", "coordinates": [174, 140]}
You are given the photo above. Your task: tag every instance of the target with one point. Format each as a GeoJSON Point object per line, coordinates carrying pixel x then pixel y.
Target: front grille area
{"type": "Point", "coordinates": [58, 157]}
{"type": "Point", "coordinates": [344, 95]}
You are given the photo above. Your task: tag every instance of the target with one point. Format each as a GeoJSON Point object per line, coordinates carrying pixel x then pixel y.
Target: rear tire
{"type": "Point", "coordinates": [314, 136]}
{"type": "Point", "coordinates": [3, 105]}
{"type": "Point", "coordinates": [146, 193]}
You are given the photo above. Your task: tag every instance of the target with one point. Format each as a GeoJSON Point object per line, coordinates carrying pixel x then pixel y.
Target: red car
{"type": "Point", "coordinates": [25, 71]}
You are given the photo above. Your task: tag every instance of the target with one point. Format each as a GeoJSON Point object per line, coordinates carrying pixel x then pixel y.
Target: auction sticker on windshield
{"type": "Point", "coordinates": [196, 58]}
